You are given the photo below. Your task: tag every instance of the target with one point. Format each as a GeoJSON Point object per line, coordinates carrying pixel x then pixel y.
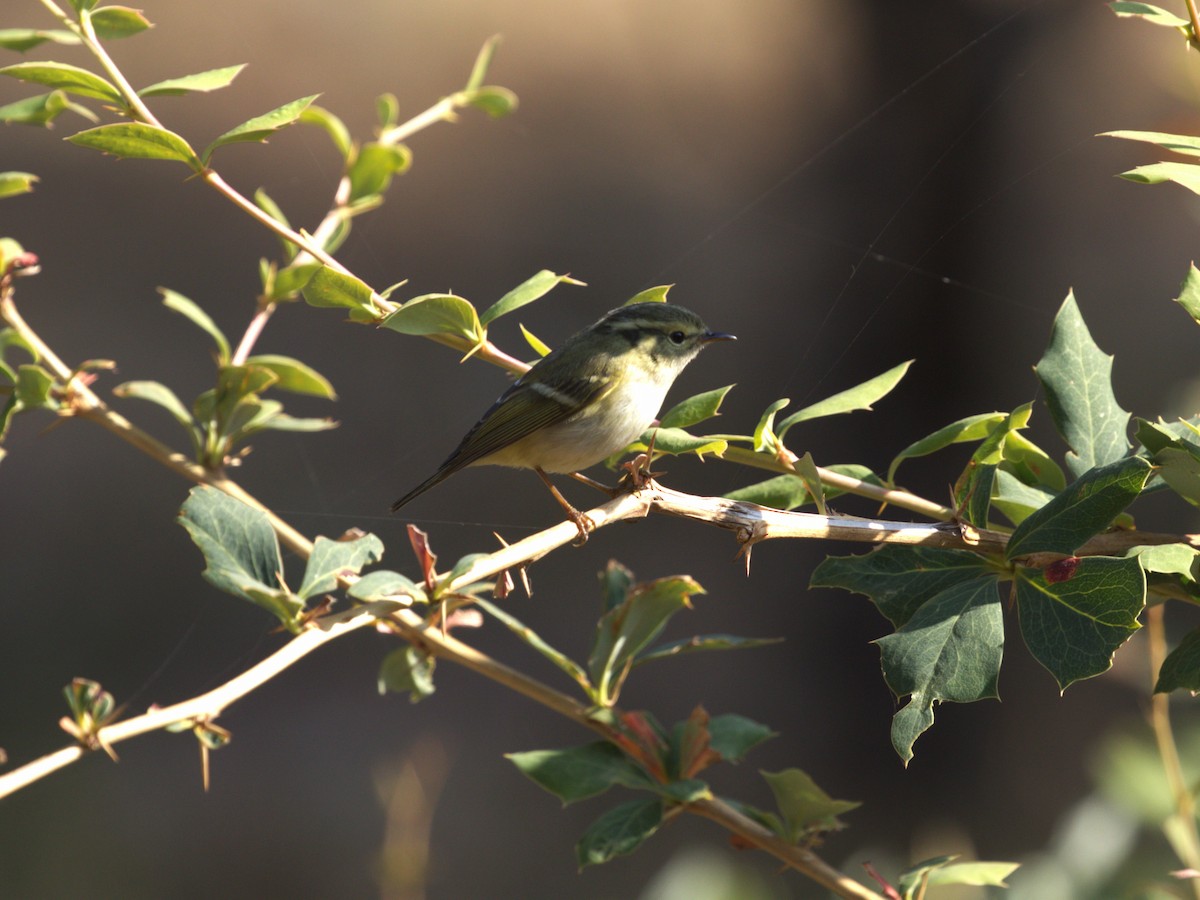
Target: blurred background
{"type": "Point", "coordinates": [844, 186]}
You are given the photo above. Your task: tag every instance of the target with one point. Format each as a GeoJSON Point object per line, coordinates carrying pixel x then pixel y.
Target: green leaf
{"type": "Point", "coordinates": [526, 292]}
{"type": "Point", "coordinates": [972, 428]}
{"type": "Point", "coordinates": [943, 870]}
{"type": "Point", "coordinates": [284, 422]}
{"type": "Point", "coordinates": [1077, 612]}
{"type": "Point", "coordinates": [1153, 14]}
{"type": "Point", "coordinates": [950, 650]}
{"type": "Point", "coordinates": [535, 642]}
{"type": "Point", "coordinates": [1187, 144]}
{"type": "Point", "coordinates": [615, 582]}
{"type": "Point", "coordinates": [805, 807]}
{"type": "Point", "coordinates": [806, 468]}
{"type": "Point", "coordinates": [191, 311]}
{"type": "Point", "coordinates": [764, 431]}
{"type": "Point", "coordinates": [695, 409]}
{"type": "Point", "coordinates": [240, 549]}
{"type": "Point", "coordinates": [407, 670]}
{"type": "Point", "coordinates": [200, 82]}
{"type": "Point", "coordinates": [260, 128]}
{"type": "Point", "coordinates": [154, 392]}
{"type": "Point", "coordinates": [1031, 464]}
{"type": "Point", "coordinates": [1177, 458]}
{"type": "Point", "coordinates": [483, 61]}
{"type": "Point", "coordinates": [1167, 559]}
{"type": "Point", "coordinates": [436, 314]}
{"type": "Point", "coordinates": [496, 101]}
{"type": "Point", "coordinates": [385, 585]}
{"type": "Point", "coordinates": [387, 111]}
{"type": "Point", "coordinates": [330, 288]}
{"type": "Point", "coordinates": [538, 345]}
{"type": "Point", "coordinates": [624, 631]}
{"type": "Point", "coordinates": [33, 388]}
{"type": "Point", "coordinates": [677, 442]}
{"type": "Point", "coordinates": [42, 109]}
{"type": "Point", "coordinates": [291, 280]}
{"type": "Point", "coordinates": [332, 559]}
{"type": "Point", "coordinates": [973, 489]}
{"type": "Point", "coordinates": [22, 39]}
{"type": "Point", "coordinates": [64, 77]}
{"type": "Point", "coordinates": [656, 294]}
{"type": "Point", "coordinates": [1015, 499]}
{"type": "Point", "coordinates": [1183, 174]}
{"type": "Point", "coordinates": [734, 736]}
{"type": "Point", "coordinates": [859, 397]}
{"type": "Point", "coordinates": [373, 168]}
{"type": "Point", "coordinates": [1181, 668]}
{"type": "Point", "coordinates": [115, 22]}
{"type": "Point", "coordinates": [702, 643]}
{"type": "Point", "coordinates": [294, 375]}
{"type": "Point", "coordinates": [780, 492]}
{"type": "Point", "coordinates": [334, 127]}
{"type": "Point", "coordinates": [1189, 292]}
{"type": "Point", "coordinates": [577, 773]}
{"type": "Point", "coordinates": [14, 183]}
{"type": "Point", "coordinates": [1084, 509]}
{"type": "Point", "coordinates": [133, 140]}
{"type": "Point", "coordinates": [899, 579]}
{"type": "Point", "coordinates": [619, 831]}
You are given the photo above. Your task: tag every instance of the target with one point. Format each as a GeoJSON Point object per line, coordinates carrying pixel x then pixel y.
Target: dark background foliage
{"type": "Point", "coordinates": [844, 186]}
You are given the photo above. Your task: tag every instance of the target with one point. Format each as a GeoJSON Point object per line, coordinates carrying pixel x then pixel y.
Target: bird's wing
{"type": "Point", "coordinates": [524, 408]}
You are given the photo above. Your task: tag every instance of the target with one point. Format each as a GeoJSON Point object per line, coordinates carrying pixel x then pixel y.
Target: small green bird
{"type": "Point", "coordinates": [586, 400]}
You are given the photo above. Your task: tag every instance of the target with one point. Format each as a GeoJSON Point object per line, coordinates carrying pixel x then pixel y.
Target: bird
{"type": "Point", "coordinates": [584, 401]}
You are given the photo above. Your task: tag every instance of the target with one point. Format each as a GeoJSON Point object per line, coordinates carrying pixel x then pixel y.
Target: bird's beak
{"type": "Point", "coordinates": [710, 336]}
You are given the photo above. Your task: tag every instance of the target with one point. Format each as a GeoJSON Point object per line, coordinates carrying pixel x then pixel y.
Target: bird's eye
{"type": "Point", "coordinates": [677, 337]}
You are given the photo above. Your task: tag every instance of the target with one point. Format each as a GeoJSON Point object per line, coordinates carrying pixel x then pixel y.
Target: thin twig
{"type": "Point", "coordinates": [1188, 844]}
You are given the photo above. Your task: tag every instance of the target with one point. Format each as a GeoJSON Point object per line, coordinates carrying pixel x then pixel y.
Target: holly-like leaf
{"type": "Point", "coordinates": [859, 397]}
{"type": "Point", "coordinates": [676, 442]}
{"type": "Point", "coordinates": [1084, 509]}
{"type": "Point", "coordinates": [950, 650]}
{"type": "Point", "coordinates": [944, 870]}
{"type": "Point", "coordinates": [900, 579]}
{"type": "Point", "coordinates": [1075, 614]}
{"type": "Point", "coordinates": [64, 77]}
{"type": "Point", "coordinates": [526, 292]}
{"type": "Point", "coordinates": [577, 773]}
{"type": "Point", "coordinates": [1077, 378]}
{"type": "Point", "coordinates": [619, 831]}
{"type": "Point", "coordinates": [764, 432]}
{"type": "Point", "coordinates": [135, 140]}
{"type": "Point", "coordinates": [1189, 292]}
{"type": "Point", "coordinates": [199, 82]}
{"type": "Point", "coordinates": [805, 807]}
{"type": "Point", "coordinates": [332, 559]}
{"type": "Point", "coordinates": [1015, 499]}
{"type": "Point", "coordinates": [260, 128]}
{"type": "Point", "coordinates": [695, 409]}
{"type": "Point", "coordinates": [1181, 668]}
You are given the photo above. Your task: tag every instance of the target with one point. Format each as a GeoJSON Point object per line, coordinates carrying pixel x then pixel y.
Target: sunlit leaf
{"type": "Point", "coordinates": [294, 375]}
{"type": "Point", "coordinates": [64, 77]}
{"type": "Point", "coordinates": [859, 397]}
{"type": "Point", "coordinates": [200, 82]}
{"type": "Point", "coordinates": [134, 140]}
{"type": "Point", "coordinates": [262, 127]}
{"type": "Point", "coordinates": [191, 311]}
{"type": "Point", "coordinates": [526, 292]}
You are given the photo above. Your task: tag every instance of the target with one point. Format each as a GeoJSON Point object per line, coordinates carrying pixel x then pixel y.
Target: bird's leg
{"type": "Point", "coordinates": [582, 522]}
{"type": "Point", "coordinates": [592, 482]}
